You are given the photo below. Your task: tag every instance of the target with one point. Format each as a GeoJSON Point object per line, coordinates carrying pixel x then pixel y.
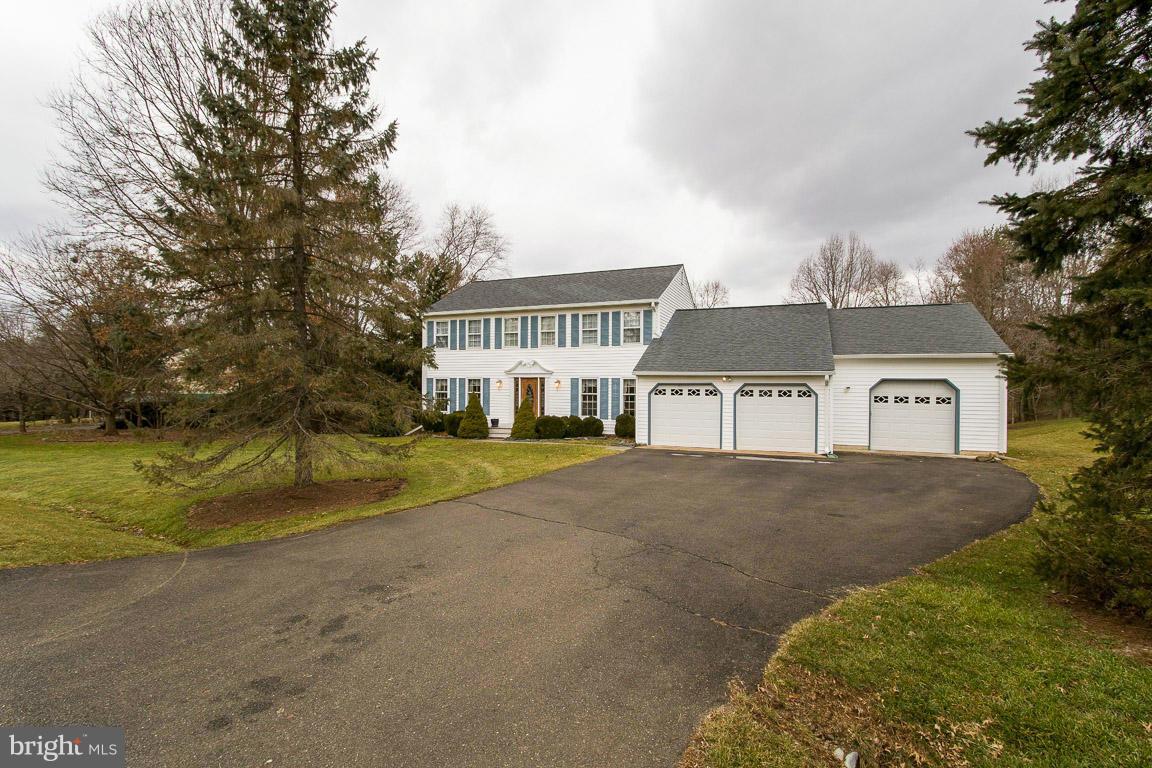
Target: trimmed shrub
{"type": "Point", "coordinates": [550, 427]}
{"type": "Point", "coordinates": [573, 426]}
{"type": "Point", "coordinates": [626, 426]}
{"type": "Point", "coordinates": [593, 427]}
{"type": "Point", "coordinates": [474, 425]}
{"type": "Point", "coordinates": [452, 422]}
{"type": "Point", "coordinates": [432, 420]}
{"type": "Point", "coordinates": [524, 427]}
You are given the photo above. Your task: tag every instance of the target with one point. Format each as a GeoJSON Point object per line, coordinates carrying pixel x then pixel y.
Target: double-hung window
{"type": "Point", "coordinates": [474, 389]}
{"type": "Point", "coordinates": [511, 332]}
{"type": "Point", "coordinates": [631, 327]}
{"type": "Point", "coordinates": [441, 395]}
{"type": "Point", "coordinates": [589, 397]}
{"type": "Point", "coordinates": [590, 329]}
{"type": "Point", "coordinates": [475, 334]}
{"type": "Point", "coordinates": [441, 333]}
{"type": "Point", "coordinates": [629, 404]}
{"type": "Point", "coordinates": [548, 331]}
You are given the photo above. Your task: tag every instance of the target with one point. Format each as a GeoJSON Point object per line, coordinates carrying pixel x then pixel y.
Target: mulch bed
{"type": "Point", "coordinates": [276, 503]}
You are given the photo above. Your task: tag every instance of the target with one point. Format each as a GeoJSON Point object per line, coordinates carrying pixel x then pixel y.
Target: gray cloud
{"type": "Point", "coordinates": [731, 136]}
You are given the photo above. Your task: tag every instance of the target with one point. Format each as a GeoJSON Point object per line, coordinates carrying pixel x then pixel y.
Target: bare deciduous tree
{"type": "Point", "coordinates": [709, 294]}
{"type": "Point", "coordinates": [84, 327]}
{"type": "Point", "coordinates": [846, 273]}
{"type": "Point", "coordinates": [468, 246]}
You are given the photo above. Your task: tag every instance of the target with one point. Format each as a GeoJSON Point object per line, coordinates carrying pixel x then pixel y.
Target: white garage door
{"type": "Point", "coordinates": [687, 415]}
{"type": "Point", "coordinates": [917, 416]}
{"type": "Point", "coordinates": [771, 417]}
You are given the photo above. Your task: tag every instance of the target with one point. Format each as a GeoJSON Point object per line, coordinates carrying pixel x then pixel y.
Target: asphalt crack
{"type": "Point", "coordinates": [655, 545]}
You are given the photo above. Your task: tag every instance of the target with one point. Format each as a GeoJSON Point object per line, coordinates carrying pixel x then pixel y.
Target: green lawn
{"type": "Point", "coordinates": [68, 502]}
{"type": "Point", "coordinates": [970, 662]}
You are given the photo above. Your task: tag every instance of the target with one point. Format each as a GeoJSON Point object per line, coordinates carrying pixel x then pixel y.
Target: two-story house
{"type": "Point", "coordinates": [797, 378]}
{"type": "Point", "coordinates": [571, 341]}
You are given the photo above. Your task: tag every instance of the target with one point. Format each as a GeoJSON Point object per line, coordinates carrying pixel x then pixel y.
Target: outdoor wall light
{"type": "Point", "coordinates": [726, 378]}
{"type": "Point", "coordinates": [499, 383]}
{"type": "Point", "coordinates": [556, 384]}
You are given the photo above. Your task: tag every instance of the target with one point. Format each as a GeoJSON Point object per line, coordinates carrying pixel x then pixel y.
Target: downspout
{"type": "Point", "coordinates": [830, 453]}
{"type": "Point", "coordinates": [1002, 415]}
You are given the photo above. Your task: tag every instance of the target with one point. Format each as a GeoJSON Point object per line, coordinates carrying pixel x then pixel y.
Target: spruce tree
{"type": "Point", "coordinates": [524, 425]}
{"type": "Point", "coordinates": [1090, 106]}
{"type": "Point", "coordinates": [474, 425]}
{"type": "Point", "coordinates": [271, 271]}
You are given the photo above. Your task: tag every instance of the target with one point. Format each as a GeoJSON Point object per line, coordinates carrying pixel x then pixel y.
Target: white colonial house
{"type": "Point", "coordinates": [796, 378]}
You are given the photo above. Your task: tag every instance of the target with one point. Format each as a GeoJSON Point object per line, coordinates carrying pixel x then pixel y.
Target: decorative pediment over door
{"type": "Point", "coordinates": [528, 368]}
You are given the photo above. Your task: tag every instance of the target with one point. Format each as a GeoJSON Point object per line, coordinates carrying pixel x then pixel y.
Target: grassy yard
{"type": "Point", "coordinates": [74, 501]}
{"type": "Point", "coordinates": [971, 662]}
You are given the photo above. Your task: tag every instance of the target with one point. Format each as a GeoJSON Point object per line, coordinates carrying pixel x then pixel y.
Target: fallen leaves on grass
{"type": "Point", "coordinates": [276, 503]}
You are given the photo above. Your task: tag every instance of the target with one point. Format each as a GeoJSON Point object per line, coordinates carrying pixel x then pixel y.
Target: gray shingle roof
{"type": "Point", "coordinates": [792, 337]}
{"type": "Point", "coordinates": [931, 329]}
{"type": "Point", "coordinates": [637, 284]}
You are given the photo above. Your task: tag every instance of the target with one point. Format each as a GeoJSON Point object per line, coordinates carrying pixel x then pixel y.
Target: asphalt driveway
{"type": "Point", "coordinates": [588, 617]}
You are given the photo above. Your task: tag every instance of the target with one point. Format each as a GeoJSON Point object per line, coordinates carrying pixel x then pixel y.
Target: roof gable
{"type": "Point", "coordinates": [640, 284]}
{"type": "Point", "coordinates": [927, 329]}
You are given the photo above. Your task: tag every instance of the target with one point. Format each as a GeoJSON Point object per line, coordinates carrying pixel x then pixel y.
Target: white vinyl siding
{"type": "Point", "coordinates": [548, 330]}
{"type": "Point", "coordinates": [590, 329]}
{"type": "Point", "coordinates": [475, 334]}
{"type": "Point", "coordinates": [511, 332]}
{"type": "Point", "coordinates": [678, 295]}
{"type": "Point", "coordinates": [775, 417]}
{"type": "Point", "coordinates": [981, 401]}
{"type": "Point", "coordinates": [441, 333]}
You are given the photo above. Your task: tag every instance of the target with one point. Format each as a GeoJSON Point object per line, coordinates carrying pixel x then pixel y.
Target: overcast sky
{"type": "Point", "coordinates": [731, 136]}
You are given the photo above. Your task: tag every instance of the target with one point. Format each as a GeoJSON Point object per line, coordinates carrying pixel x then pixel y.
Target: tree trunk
{"type": "Point", "coordinates": [301, 263]}
{"type": "Point", "coordinates": [303, 458]}
{"type": "Point", "coordinates": [23, 416]}
{"type": "Point", "coordinates": [110, 421]}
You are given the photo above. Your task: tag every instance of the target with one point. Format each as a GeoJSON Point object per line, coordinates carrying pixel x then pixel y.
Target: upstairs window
{"type": "Point", "coordinates": [511, 332]}
{"type": "Point", "coordinates": [631, 327]}
{"type": "Point", "coordinates": [590, 329]}
{"type": "Point", "coordinates": [589, 396]}
{"type": "Point", "coordinates": [548, 331]}
{"type": "Point", "coordinates": [630, 396]}
{"type": "Point", "coordinates": [475, 334]}
{"type": "Point", "coordinates": [441, 334]}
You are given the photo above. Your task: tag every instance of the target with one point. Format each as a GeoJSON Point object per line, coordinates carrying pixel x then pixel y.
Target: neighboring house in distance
{"type": "Point", "coordinates": [792, 378]}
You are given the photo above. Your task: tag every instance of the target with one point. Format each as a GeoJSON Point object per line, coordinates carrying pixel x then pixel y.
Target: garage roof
{"type": "Point", "coordinates": [790, 337]}
{"type": "Point", "coordinates": [928, 329]}
{"type": "Point", "coordinates": [641, 284]}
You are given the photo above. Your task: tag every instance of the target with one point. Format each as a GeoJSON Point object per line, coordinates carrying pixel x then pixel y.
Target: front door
{"type": "Point", "coordinates": [533, 388]}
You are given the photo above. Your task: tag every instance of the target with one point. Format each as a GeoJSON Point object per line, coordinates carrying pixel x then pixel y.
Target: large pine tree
{"type": "Point", "coordinates": [1092, 105]}
{"type": "Point", "coordinates": [271, 270]}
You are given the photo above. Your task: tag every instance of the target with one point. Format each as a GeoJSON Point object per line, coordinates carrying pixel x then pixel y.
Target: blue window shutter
{"type": "Point", "coordinates": [524, 332]}
{"type": "Point", "coordinates": [575, 329]}
{"type": "Point", "coordinates": [575, 396]}
{"type": "Point", "coordinates": [602, 396]}
{"type": "Point", "coordinates": [647, 326]}
{"type": "Point", "coordinates": [485, 394]}
{"type": "Point", "coordinates": [535, 332]}
{"type": "Point", "coordinates": [429, 389]}
{"type": "Point", "coordinates": [498, 340]}
{"type": "Point", "coordinates": [431, 334]}
{"type": "Point", "coordinates": [461, 394]}
{"type": "Point", "coordinates": [454, 342]}
{"type": "Point", "coordinates": [451, 395]}
{"type": "Point", "coordinates": [487, 332]}
{"type": "Point", "coordinates": [615, 329]}
{"type": "Point", "coordinates": [561, 330]}
{"type": "Point", "coordinates": [604, 328]}
{"type": "Point", "coordinates": [615, 397]}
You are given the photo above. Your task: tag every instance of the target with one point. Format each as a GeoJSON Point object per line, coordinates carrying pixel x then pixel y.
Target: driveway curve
{"type": "Point", "coordinates": [587, 617]}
